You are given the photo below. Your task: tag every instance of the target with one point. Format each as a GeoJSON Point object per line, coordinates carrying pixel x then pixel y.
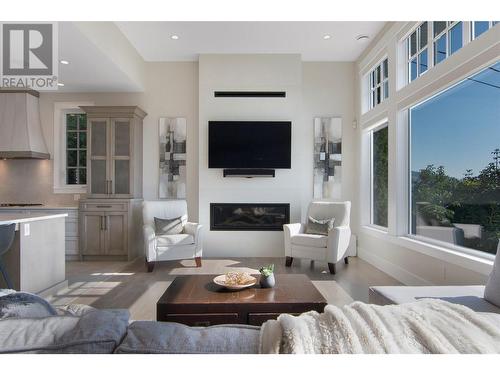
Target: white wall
{"type": "Point", "coordinates": [411, 262]}
{"type": "Point", "coordinates": [312, 89]}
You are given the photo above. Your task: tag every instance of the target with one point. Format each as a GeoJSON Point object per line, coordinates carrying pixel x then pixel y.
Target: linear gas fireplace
{"type": "Point", "coordinates": [249, 216]}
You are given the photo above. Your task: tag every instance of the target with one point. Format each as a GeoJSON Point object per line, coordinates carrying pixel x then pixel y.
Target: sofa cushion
{"type": "Point", "coordinates": [309, 240]}
{"type": "Point", "coordinates": [174, 240]}
{"type": "Point", "coordinates": [98, 331]}
{"type": "Point", "coordinates": [24, 305]}
{"type": "Point", "coordinates": [316, 226]}
{"type": "Point", "coordinates": [467, 295]}
{"type": "Point", "coordinates": [175, 338]}
{"type": "Point", "coordinates": [492, 289]}
{"type": "Point", "coordinates": [168, 226]}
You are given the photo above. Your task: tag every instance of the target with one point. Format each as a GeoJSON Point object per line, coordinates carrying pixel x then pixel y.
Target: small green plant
{"type": "Point", "coordinates": [267, 271]}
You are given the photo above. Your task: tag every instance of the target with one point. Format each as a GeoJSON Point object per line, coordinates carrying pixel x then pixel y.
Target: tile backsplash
{"type": "Point", "coordinates": [30, 181]}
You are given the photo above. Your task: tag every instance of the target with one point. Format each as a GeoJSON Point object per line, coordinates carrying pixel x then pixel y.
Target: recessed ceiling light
{"type": "Point", "coordinates": [64, 62]}
{"type": "Point", "coordinates": [326, 37]}
{"type": "Point", "coordinates": [174, 37]}
{"type": "Point", "coordinates": [60, 84]}
{"type": "Point", "coordinates": [362, 38]}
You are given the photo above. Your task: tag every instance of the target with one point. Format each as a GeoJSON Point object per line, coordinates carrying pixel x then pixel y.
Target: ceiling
{"type": "Point", "coordinates": [153, 41]}
{"type": "Point", "coordinates": [96, 65]}
{"type": "Point", "coordinates": [91, 70]}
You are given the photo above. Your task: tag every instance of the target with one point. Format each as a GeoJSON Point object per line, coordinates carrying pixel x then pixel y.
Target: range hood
{"type": "Point", "coordinates": [20, 129]}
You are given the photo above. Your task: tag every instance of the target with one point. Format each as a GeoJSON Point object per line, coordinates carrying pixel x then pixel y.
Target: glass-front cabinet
{"type": "Point", "coordinates": [115, 136]}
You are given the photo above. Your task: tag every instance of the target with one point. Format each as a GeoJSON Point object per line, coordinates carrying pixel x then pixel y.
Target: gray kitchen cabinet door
{"type": "Point", "coordinates": [116, 233]}
{"type": "Point", "coordinates": [92, 239]}
{"type": "Point", "coordinates": [121, 153]}
{"type": "Point", "coordinates": [98, 157]}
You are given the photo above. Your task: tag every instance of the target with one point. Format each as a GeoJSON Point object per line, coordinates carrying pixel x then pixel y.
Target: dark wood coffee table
{"type": "Point", "coordinates": [197, 301]}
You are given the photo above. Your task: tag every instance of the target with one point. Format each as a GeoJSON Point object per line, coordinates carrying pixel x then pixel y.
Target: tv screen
{"type": "Point", "coordinates": [249, 144]}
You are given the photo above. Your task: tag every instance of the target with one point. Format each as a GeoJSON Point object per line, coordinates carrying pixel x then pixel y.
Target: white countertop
{"type": "Point", "coordinates": [7, 218]}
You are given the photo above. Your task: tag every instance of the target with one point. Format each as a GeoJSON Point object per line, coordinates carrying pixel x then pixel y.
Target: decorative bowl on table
{"type": "Point", "coordinates": [235, 280]}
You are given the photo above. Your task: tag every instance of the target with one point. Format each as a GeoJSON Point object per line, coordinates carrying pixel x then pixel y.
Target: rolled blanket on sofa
{"type": "Point", "coordinates": [426, 326]}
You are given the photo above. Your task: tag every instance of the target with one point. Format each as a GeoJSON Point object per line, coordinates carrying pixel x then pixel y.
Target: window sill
{"type": "Point", "coordinates": [77, 189]}
{"type": "Point", "coordinates": [481, 263]}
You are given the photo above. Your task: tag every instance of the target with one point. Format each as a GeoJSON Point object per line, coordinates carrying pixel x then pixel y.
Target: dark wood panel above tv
{"type": "Point", "coordinates": [250, 94]}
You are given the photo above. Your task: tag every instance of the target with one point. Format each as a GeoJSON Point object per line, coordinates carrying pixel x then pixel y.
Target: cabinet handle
{"type": "Point", "coordinates": [101, 226]}
{"type": "Point", "coordinates": [110, 187]}
{"type": "Point", "coordinates": [106, 188]}
{"type": "Point", "coordinates": [105, 222]}
{"type": "Point", "coordinates": [98, 206]}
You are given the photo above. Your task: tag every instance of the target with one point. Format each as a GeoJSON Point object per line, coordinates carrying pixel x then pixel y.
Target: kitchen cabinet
{"type": "Point", "coordinates": [114, 156]}
{"type": "Point", "coordinates": [110, 228]}
{"type": "Point", "coordinates": [111, 215]}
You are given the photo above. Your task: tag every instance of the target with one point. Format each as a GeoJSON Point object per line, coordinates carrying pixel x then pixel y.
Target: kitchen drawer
{"type": "Point", "coordinates": [105, 206]}
{"type": "Point", "coordinates": [201, 320]}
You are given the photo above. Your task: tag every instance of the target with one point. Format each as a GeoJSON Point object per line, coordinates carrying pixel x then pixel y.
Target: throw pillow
{"type": "Point", "coordinates": [322, 227]}
{"type": "Point", "coordinates": [492, 289]}
{"type": "Point", "coordinates": [24, 305]}
{"type": "Point", "coordinates": [168, 226]}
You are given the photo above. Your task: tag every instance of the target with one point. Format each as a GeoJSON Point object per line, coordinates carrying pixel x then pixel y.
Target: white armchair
{"type": "Point", "coordinates": [331, 248]}
{"type": "Point", "coordinates": [185, 245]}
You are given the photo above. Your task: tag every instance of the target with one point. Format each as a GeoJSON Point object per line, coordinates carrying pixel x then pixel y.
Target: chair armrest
{"type": "Point", "coordinates": [195, 230]}
{"type": "Point", "coordinates": [149, 242]}
{"type": "Point", "coordinates": [293, 229]}
{"type": "Point", "coordinates": [148, 232]}
{"type": "Point", "coordinates": [290, 230]}
{"type": "Point", "coordinates": [192, 228]}
{"type": "Point", "coordinates": [338, 242]}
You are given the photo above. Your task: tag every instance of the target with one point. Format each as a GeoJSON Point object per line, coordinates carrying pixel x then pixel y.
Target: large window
{"type": "Point", "coordinates": [455, 164]}
{"type": "Point", "coordinates": [76, 148]}
{"type": "Point", "coordinates": [379, 175]}
{"type": "Point", "coordinates": [417, 52]}
{"type": "Point", "coordinates": [379, 83]}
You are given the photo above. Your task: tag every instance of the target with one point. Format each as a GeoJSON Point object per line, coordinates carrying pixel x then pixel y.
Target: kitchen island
{"type": "Point", "coordinates": [36, 260]}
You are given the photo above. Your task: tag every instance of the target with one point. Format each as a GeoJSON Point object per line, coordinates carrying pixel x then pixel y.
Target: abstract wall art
{"type": "Point", "coordinates": [327, 178]}
{"type": "Point", "coordinates": [172, 178]}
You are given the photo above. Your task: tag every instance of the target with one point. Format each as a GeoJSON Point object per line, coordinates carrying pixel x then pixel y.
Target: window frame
{"type": "Point", "coordinates": [407, 234]}
{"type": "Point", "coordinates": [379, 126]}
{"type": "Point", "coordinates": [446, 32]}
{"type": "Point", "coordinates": [419, 50]}
{"type": "Point", "coordinates": [405, 49]}
{"type": "Point", "coordinates": [491, 24]}
{"type": "Point", "coordinates": [373, 86]}
{"type": "Point", "coordinates": [78, 148]}
{"type": "Point", "coordinates": [60, 185]}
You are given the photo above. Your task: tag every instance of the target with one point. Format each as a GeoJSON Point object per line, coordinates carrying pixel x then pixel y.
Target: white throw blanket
{"type": "Point", "coordinates": [426, 326]}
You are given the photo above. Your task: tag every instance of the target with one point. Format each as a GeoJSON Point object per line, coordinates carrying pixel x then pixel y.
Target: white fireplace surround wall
{"type": "Point", "coordinates": [327, 90]}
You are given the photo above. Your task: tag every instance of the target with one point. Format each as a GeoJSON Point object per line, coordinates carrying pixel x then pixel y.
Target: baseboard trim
{"type": "Point", "coordinates": [392, 269]}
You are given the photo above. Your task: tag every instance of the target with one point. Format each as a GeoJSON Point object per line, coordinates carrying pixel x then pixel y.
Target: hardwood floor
{"type": "Point", "coordinates": [128, 285]}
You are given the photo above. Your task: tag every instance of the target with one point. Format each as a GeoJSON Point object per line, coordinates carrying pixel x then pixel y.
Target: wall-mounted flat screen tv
{"type": "Point", "coordinates": [249, 144]}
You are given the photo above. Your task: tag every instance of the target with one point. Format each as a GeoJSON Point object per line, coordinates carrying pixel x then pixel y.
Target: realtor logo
{"type": "Point", "coordinates": [28, 56]}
